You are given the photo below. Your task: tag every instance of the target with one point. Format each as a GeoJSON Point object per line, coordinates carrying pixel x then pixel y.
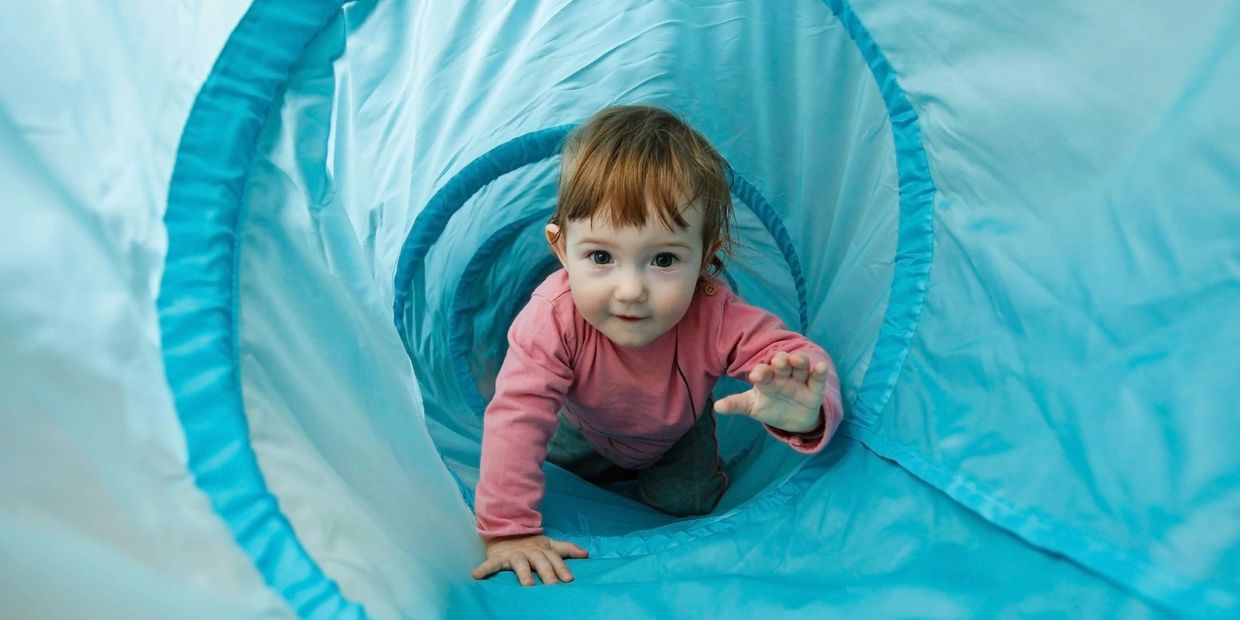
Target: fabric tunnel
{"type": "Point", "coordinates": [259, 259]}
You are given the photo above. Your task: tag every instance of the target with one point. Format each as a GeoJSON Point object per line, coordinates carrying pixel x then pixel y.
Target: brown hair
{"type": "Point", "coordinates": [625, 155]}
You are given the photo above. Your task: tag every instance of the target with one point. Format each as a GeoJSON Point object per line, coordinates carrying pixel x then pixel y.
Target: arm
{"type": "Point", "coordinates": [519, 422]}
{"type": "Point", "coordinates": [795, 390]}
{"type": "Point", "coordinates": [517, 426]}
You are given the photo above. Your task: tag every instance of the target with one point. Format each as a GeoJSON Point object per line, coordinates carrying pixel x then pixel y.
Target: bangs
{"type": "Point", "coordinates": [625, 184]}
{"type": "Point", "coordinates": [628, 164]}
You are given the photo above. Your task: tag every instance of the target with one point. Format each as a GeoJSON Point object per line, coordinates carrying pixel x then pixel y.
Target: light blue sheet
{"type": "Point", "coordinates": [1012, 226]}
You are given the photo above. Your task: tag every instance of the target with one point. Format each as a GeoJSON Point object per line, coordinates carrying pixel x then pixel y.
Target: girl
{"type": "Point", "coordinates": [611, 364]}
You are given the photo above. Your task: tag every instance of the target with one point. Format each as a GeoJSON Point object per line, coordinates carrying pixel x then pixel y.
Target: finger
{"type": "Point", "coordinates": [780, 363]}
{"type": "Point", "coordinates": [567, 549]}
{"type": "Point", "coordinates": [542, 564]}
{"type": "Point", "coordinates": [761, 374]}
{"type": "Point", "coordinates": [736, 403]}
{"type": "Point", "coordinates": [521, 567]}
{"type": "Point", "coordinates": [560, 568]}
{"type": "Point", "coordinates": [800, 367]}
{"type": "Point", "coordinates": [821, 372]}
{"type": "Point", "coordinates": [484, 569]}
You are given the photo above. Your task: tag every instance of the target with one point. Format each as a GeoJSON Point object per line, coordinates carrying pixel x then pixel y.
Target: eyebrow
{"type": "Point", "coordinates": [606, 243]}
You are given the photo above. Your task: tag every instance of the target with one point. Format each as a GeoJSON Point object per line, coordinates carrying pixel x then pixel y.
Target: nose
{"type": "Point", "coordinates": [630, 287]}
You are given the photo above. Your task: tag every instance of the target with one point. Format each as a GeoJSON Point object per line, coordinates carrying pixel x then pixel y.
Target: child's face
{"type": "Point", "coordinates": [633, 284]}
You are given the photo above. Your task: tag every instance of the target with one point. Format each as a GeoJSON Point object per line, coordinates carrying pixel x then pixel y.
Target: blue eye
{"type": "Point", "coordinates": [599, 257]}
{"type": "Point", "coordinates": [665, 260]}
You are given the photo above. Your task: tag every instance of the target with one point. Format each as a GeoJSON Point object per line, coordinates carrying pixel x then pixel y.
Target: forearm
{"type": "Point", "coordinates": [511, 481]}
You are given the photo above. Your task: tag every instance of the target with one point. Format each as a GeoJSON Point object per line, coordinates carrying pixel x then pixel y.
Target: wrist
{"type": "Point", "coordinates": [820, 425]}
{"type": "Point", "coordinates": [811, 425]}
{"type": "Point", "coordinates": [490, 541]}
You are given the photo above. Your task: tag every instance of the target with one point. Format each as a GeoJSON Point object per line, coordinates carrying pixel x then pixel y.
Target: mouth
{"type": "Point", "coordinates": [630, 319]}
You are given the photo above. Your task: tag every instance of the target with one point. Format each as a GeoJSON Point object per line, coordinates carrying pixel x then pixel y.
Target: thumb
{"type": "Point", "coordinates": [736, 403]}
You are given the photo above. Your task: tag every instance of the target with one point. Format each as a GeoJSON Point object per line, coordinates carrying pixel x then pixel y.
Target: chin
{"type": "Point", "coordinates": [630, 342]}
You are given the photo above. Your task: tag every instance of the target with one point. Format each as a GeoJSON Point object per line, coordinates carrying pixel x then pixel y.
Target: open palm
{"type": "Point", "coordinates": [787, 393]}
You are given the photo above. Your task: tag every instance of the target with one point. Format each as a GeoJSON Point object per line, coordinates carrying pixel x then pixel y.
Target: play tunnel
{"type": "Point", "coordinates": [259, 259]}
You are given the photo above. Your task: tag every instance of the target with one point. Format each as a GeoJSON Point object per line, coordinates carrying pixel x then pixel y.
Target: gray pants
{"type": "Point", "coordinates": [687, 480]}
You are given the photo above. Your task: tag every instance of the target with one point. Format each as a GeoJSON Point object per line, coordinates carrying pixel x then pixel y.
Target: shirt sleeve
{"type": "Point", "coordinates": [519, 423]}
{"type": "Point", "coordinates": [749, 336]}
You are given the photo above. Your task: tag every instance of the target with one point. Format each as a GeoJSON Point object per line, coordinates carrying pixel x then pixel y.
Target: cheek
{"type": "Point", "coordinates": [678, 295]}
{"type": "Point", "coordinates": [586, 295]}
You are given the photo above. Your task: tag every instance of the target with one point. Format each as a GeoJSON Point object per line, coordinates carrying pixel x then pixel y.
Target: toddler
{"type": "Point", "coordinates": [611, 364]}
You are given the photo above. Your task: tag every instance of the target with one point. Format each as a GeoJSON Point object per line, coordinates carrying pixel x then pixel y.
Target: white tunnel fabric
{"type": "Point", "coordinates": [1067, 382]}
{"type": "Point", "coordinates": [262, 289]}
{"type": "Point", "coordinates": [98, 514]}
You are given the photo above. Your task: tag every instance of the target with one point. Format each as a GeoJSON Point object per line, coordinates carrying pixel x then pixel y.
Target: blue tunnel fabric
{"type": "Point", "coordinates": [901, 407]}
{"type": "Point", "coordinates": [915, 247]}
{"type": "Point", "coordinates": [197, 303]}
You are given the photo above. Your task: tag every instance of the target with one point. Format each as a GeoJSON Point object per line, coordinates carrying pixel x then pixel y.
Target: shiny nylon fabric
{"type": "Point", "coordinates": [445, 145]}
{"type": "Point", "coordinates": [99, 516]}
{"type": "Point", "coordinates": [198, 305]}
{"type": "Point", "coordinates": [1073, 365]}
{"type": "Point", "coordinates": [1046, 431]}
{"type": "Point", "coordinates": [768, 264]}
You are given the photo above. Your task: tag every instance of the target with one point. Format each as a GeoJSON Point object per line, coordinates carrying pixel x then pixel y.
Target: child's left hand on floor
{"type": "Point", "coordinates": [786, 394]}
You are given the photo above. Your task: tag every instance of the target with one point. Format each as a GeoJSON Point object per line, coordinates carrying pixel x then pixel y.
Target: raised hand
{"type": "Point", "coordinates": [525, 555]}
{"type": "Point", "coordinates": [787, 393]}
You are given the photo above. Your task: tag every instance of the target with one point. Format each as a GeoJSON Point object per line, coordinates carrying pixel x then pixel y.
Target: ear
{"type": "Point", "coordinates": [709, 255]}
{"type": "Point", "coordinates": [555, 239]}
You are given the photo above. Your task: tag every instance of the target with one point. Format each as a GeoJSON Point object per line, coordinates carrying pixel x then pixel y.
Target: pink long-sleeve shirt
{"type": "Point", "coordinates": [631, 404]}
